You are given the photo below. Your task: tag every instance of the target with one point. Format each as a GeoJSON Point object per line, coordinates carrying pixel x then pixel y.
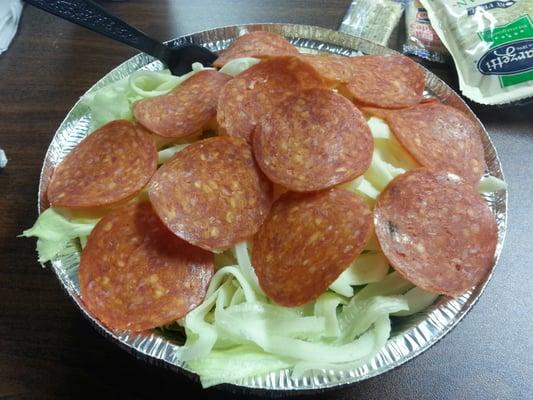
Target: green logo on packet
{"type": "Point", "coordinates": [517, 55]}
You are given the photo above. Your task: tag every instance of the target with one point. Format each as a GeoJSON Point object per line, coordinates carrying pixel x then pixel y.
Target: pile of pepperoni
{"type": "Point", "coordinates": [290, 130]}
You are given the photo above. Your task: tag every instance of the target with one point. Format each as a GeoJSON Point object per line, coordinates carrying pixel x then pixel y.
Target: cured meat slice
{"type": "Point", "coordinates": [136, 275]}
{"type": "Point", "coordinates": [110, 165]}
{"type": "Point", "coordinates": [332, 67]}
{"type": "Point", "coordinates": [259, 44]}
{"type": "Point", "coordinates": [439, 137]}
{"type": "Point", "coordinates": [212, 194]}
{"type": "Point", "coordinates": [186, 110]}
{"type": "Point", "coordinates": [313, 140]}
{"type": "Point", "coordinates": [436, 231]}
{"type": "Point", "coordinates": [385, 81]}
{"type": "Point", "coordinates": [307, 241]}
{"type": "Point", "coordinates": [253, 94]}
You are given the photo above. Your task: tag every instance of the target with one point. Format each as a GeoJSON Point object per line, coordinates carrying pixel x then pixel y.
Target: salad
{"type": "Point", "coordinates": [237, 330]}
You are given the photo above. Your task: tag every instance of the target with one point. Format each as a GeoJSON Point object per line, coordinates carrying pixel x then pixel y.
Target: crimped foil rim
{"type": "Point", "coordinates": [411, 335]}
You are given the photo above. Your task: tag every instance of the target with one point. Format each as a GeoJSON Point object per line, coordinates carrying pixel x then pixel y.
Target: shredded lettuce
{"type": "Point", "coordinates": [154, 83]}
{"type": "Point", "coordinates": [378, 174]}
{"type": "Point", "coordinates": [380, 334]}
{"type": "Point", "coordinates": [55, 233]}
{"type": "Point", "coordinates": [393, 284]}
{"type": "Point", "coordinates": [237, 320]}
{"type": "Point", "coordinates": [201, 335]}
{"type": "Point", "coordinates": [269, 319]}
{"type": "Point", "coordinates": [326, 307]}
{"type": "Point", "coordinates": [390, 149]}
{"type": "Point", "coordinates": [359, 314]}
{"type": "Point", "coordinates": [368, 268]}
{"type": "Point", "coordinates": [366, 189]}
{"type": "Point", "coordinates": [379, 128]}
{"type": "Point", "coordinates": [236, 363]}
{"type": "Point", "coordinates": [243, 259]}
{"type": "Point", "coordinates": [285, 346]}
{"type": "Point", "coordinates": [239, 65]}
{"type": "Point", "coordinates": [166, 154]}
{"type": "Point", "coordinates": [235, 272]}
{"type": "Point", "coordinates": [389, 160]}
{"type": "Point", "coordinates": [489, 184]}
{"type": "Point", "coordinates": [363, 188]}
{"type": "Point", "coordinates": [418, 300]}
{"type": "Point", "coordinates": [238, 297]}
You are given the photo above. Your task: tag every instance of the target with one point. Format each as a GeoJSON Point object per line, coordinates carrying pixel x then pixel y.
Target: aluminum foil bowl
{"type": "Point", "coordinates": [410, 335]}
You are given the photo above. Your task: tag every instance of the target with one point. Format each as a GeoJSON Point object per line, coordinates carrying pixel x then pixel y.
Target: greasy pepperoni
{"type": "Point", "coordinates": [252, 94]}
{"type": "Point", "coordinates": [436, 231]}
{"type": "Point", "coordinates": [307, 241]}
{"type": "Point", "coordinates": [136, 275]}
{"type": "Point", "coordinates": [313, 140]}
{"type": "Point", "coordinates": [257, 44]}
{"type": "Point", "coordinates": [386, 81]}
{"type": "Point", "coordinates": [212, 194]}
{"type": "Point", "coordinates": [439, 137]}
{"type": "Point", "coordinates": [331, 67]}
{"type": "Point", "coordinates": [110, 165]}
{"type": "Point", "coordinates": [184, 111]}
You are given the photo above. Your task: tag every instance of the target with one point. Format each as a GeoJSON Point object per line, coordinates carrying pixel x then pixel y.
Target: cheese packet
{"type": "Point", "coordinates": [491, 43]}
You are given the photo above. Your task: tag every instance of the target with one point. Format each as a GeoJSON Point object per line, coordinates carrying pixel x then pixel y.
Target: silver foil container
{"type": "Point", "coordinates": [410, 335]}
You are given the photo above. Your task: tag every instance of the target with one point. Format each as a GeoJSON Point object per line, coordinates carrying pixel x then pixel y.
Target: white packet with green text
{"type": "Point", "coordinates": [491, 43]}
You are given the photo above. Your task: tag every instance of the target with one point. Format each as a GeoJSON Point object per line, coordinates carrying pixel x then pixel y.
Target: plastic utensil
{"type": "Point", "coordinates": [90, 15]}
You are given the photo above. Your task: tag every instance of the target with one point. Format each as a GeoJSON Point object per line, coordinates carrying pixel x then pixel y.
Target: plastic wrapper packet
{"type": "Point", "coordinates": [491, 43]}
{"type": "Point", "coordinates": [374, 20]}
{"type": "Point", "coordinates": [421, 39]}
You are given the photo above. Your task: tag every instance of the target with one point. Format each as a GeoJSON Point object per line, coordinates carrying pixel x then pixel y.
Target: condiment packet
{"type": "Point", "coordinates": [3, 159]}
{"type": "Point", "coordinates": [374, 20]}
{"type": "Point", "coordinates": [10, 11]}
{"type": "Point", "coordinates": [421, 39]}
{"type": "Point", "coordinates": [491, 43]}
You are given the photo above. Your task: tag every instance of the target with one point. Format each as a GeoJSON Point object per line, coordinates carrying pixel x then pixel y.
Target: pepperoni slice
{"type": "Point", "coordinates": [307, 241]}
{"type": "Point", "coordinates": [439, 137]}
{"type": "Point", "coordinates": [110, 165]}
{"type": "Point", "coordinates": [313, 140]}
{"type": "Point", "coordinates": [189, 108]}
{"type": "Point", "coordinates": [331, 67]}
{"type": "Point", "coordinates": [259, 44]}
{"type": "Point", "coordinates": [212, 194]}
{"type": "Point", "coordinates": [386, 81]}
{"type": "Point", "coordinates": [255, 92]}
{"type": "Point", "coordinates": [436, 231]}
{"type": "Point", "coordinates": [136, 275]}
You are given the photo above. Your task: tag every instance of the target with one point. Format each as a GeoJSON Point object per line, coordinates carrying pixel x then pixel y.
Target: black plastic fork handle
{"type": "Point", "coordinates": [90, 15]}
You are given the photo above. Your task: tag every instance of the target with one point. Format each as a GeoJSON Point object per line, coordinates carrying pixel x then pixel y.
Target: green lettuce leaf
{"type": "Point", "coordinates": [55, 233]}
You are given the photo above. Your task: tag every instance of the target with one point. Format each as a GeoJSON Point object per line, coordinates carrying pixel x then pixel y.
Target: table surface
{"type": "Point", "coordinates": [49, 351]}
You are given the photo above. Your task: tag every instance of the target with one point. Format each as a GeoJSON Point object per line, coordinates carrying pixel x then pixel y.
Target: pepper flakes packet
{"type": "Point", "coordinates": [421, 39]}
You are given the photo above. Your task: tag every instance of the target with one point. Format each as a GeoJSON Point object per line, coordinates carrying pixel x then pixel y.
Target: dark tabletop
{"type": "Point", "coordinates": [49, 351]}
